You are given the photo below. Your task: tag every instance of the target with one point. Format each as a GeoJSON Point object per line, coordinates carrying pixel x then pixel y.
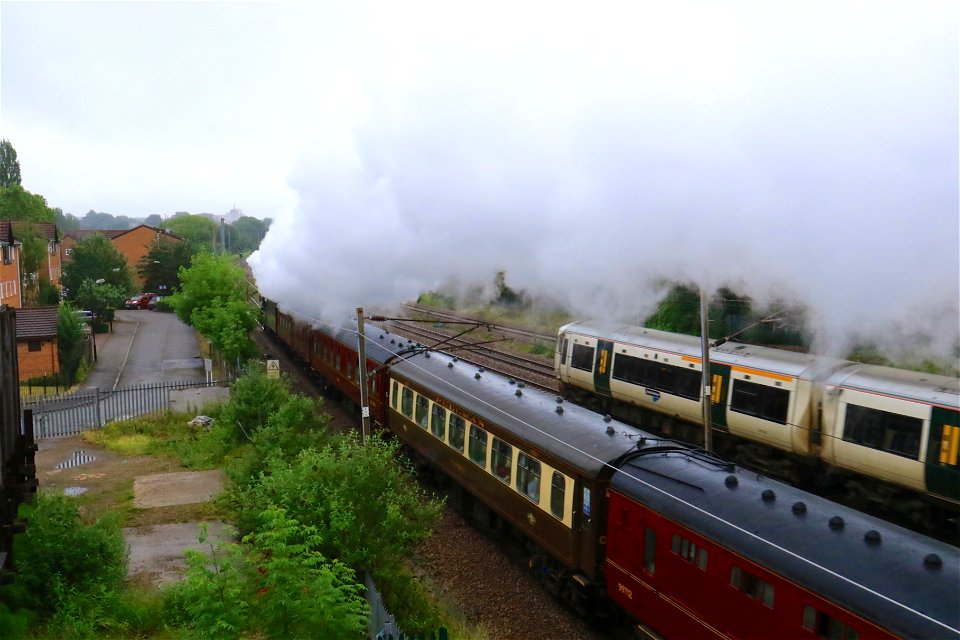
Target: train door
{"type": "Point", "coordinates": [719, 392]}
{"type": "Point", "coordinates": [942, 470]}
{"type": "Point", "coordinates": [602, 366]}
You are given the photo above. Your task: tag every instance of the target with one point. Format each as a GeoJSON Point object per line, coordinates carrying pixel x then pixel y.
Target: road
{"type": "Point", "coordinates": [145, 346]}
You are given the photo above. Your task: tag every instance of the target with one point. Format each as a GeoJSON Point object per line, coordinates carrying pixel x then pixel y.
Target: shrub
{"type": "Point", "coordinates": [59, 557]}
{"type": "Point", "coordinates": [253, 399]}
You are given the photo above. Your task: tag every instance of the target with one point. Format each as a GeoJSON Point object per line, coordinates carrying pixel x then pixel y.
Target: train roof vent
{"type": "Point", "coordinates": [932, 561]}
{"type": "Point", "coordinates": [607, 418]}
{"type": "Point", "coordinates": [559, 399]}
{"type": "Point", "coordinates": [836, 522]}
{"type": "Point", "coordinates": [449, 365]}
{"type": "Point", "coordinates": [799, 508]}
{"type": "Point", "coordinates": [610, 430]}
{"type": "Point", "coordinates": [559, 410]}
{"type": "Point", "coordinates": [481, 369]}
{"type": "Point", "coordinates": [476, 376]}
{"type": "Point", "coordinates": [426, 354]}
{"type": "Point", "coordinates": [518, 393]}
{"type": "Point", "coordinates": [872, 537]}
{"type": "Point", "coordinates": [512, 381]}
{"type": "Point", "coordinates": [381, 336]}
{"type": "Point", "coordinates": [521, 385]}
{"type": "Point", "coordinates": [731, 481]}
{"type": "Point", "coordinates": [455, 358]}
{"type": "Point", "coordinates": [768, 495]}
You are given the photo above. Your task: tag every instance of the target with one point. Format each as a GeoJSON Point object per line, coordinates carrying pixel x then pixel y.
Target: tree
{"type": "Point", "coordinates": [199, 230]}
{"type": "Point", "coordinates": [9, 165]}
{"type": "Point", "coordinates": [16, 203]}
{"type": "Point", "coordinates": [65, 221]}
{"type": "Point", "coordinates": [153, 220]}
{"type": "Point", "coordinates": [246, 234]}
{"type": "Point", "coordinates": [214, 298]}
{"type": "Point", "coordinates": [97, 220]}
{"type": "Point", "coordinates": [160, 268]}
{"type": "Point", "coordinates": [97, 260]}
{"type": "Point", "coordinates": [70, 339]}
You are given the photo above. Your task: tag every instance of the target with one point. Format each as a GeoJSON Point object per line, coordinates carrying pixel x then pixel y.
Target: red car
{"type": "Point", "coordinates": [139, 301]}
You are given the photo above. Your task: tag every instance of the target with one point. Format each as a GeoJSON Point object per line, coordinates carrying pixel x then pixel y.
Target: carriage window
{"type": "Point", "coordinates": [478, 445]}
{"type": "Point", "coordinates": [457, 429]}
{"type": "Point", "coordinates": [761, 401]}
{"type": "Point", "coordinates": [558, 490]}
{"type": "Point", "coordinates": [438, 421]}
{"type": "Point", "coordinates": [393, 394]}
{"type": "Point", "coordinates": [582, 358]}
{"type": "Point", "coordinates": [656, 375]}
{"type": "Point", "coordinates": [422, 406]}
{"type": "Point", "coordinates": [649, 550]}
{"type": "Point", "coordinates": [406, 399]}
{"type": "Point", "coordinates": [689, 551]}
{"type": "Point", "coordinates": [753, 586]}
{"type": "Point", "coordinates": [528, 477]}
{"type": "Point", "coordinates": [827, 627]}
{"type": "Point", "coordinates": [890, 432]}
{"type": "Point", "coordinates": [501, 457]}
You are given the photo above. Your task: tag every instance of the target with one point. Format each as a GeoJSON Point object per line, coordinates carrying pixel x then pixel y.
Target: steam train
{"type": "Point", "coordinates": [879, 435]}
{"type": "Point", "coordinates": [619, 522]}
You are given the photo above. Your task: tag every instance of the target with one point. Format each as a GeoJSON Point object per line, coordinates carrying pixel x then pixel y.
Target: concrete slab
{"type": "Point", "coordinates": [186, 487]}
{"type": "Point", "coordinates": [196, 399]}
{"type": "Point", "coordinates": [156, 552]}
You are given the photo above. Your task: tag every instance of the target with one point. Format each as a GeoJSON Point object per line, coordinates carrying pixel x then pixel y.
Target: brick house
{"type": "Point", "coordinates": [9, 266]}
{"type": "Point", "coordinates": [50, 267]}
{"type": "Point", "coordinates": [133, 244]}
{"type": "Point", "coordinates": [37, 342]}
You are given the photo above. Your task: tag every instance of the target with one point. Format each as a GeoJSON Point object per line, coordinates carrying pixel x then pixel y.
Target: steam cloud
{"type": "Point", "coordinates": [807, 152]}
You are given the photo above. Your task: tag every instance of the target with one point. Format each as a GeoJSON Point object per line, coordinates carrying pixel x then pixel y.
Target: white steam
{"type": "Point", "coordinates": [805, 151]}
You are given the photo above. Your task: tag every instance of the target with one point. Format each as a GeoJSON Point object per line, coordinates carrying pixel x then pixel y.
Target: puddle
{"type": "Point", "coordinates": [74, 491]}
{"type": "Point", "coordinates": [78, 458]}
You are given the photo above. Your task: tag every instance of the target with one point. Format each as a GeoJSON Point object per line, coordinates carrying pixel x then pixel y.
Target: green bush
{"type": "Point", "coordinates": [60, 556]}
{"type": "Point", "coordinates": [253, 399]}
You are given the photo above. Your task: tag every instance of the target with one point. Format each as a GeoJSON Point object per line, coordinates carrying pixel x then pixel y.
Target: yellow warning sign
{"type": "Point", "coordinates": [273, 368]}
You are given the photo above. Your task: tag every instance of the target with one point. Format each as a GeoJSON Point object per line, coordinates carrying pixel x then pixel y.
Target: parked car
{"type": "Point", "coordinates": [152, 305]}
{"type": "Point", "coordinates": [139, 301]}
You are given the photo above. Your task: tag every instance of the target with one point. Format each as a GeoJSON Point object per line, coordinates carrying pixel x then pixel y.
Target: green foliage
{"type": "Point", "coordinates": [228, 326]}
{"type": "Point", "coordinates": [437, 300]}
{"type": "Point", "coordinates": [160, 268]}
{"type": "Point", "coordinates": [278, 585]}
{"type": "Point", "coordinates": [505, 295]}
{"type": "Point", "coordinates": [98, 220]}
{"type": "Point", "coordinates": [65, 221]}
{"type": "Point", "coordinates": [247, 233]}
{"type": "Point", "coordinates": [16, 203]}
{"type": "Point", "coordinates": [253, 399]}
{"type": "Point", "coordinates": [47, 293]}
{"type": "Point", "coordinates": [198, 230]}
{"type": "Point", "coordinates": [101, 298]}
{"type": "Point", "coordinates": [93, 259]}
{"type": "Point", "coordinates": [9, 165]}
{"type": "Point", "coordinates": [361, 496]}
{"type": "Point", "coordinates": [70, 339]}
{"type": "Point", "coordinates": [60, 558]}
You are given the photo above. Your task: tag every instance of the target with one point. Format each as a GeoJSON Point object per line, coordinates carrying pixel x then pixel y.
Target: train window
{"type": "Point", "coordinates": [890, 432]}
{"type": "Point", "coordinates": [649, 550]}
{"type": "Point", "coordinates": [827, 627]}
{"type": "Point", "coordinates": [689, 551]}
{"type": "Point", "coordinates": [558, 491]}
{"type": "Point", "coordinates": [761, 401]}
{"type": "Point", "coordinates": [663, 377]}
{"type": "Point", "coordinates": [438, 421]}
{"type": "Point", "coordinates": [457, 429]}
{"type": "Point", "coordinates": [423, 406]}
{"type": "Point", "coordinates": [563, 351]}
{"type": "Point", "coordinates": [406, 399]}
{"type": "Point", "coordinates": [949, 445]}
{"type": "Point", "coordinates": [528, 477]}
{"type": "Point", "coordinates": [478, 445]}
{"type": "Point", "coordinates": [630, 369]}
{"type": "Point", "coordinates": [501, 459]}
{"type": "Point", "coordinates": [758, 589]}
{"type": "Point", "coordinates": [582, 358]}
{"type": "Point", "coordinates": [393, 394]}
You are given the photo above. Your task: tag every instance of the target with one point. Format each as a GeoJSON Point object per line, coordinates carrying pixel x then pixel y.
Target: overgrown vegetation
{"type": "Point", "coordinates": [315, 509]}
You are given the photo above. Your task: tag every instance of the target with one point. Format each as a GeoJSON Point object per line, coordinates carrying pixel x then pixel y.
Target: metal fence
{"type": "Point", "coordinates": [71, 413]}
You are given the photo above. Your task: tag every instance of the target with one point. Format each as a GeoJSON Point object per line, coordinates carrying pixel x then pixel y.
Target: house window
{"type": "Point", "coordinates": [34, 345]}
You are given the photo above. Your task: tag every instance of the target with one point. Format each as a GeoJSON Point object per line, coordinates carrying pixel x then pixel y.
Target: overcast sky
{"type": "Point", "coordinates": [801, 149]}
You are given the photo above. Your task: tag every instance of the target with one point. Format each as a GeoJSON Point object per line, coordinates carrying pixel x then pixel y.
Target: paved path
{"type": "Point", "coordinates": [145, 346]}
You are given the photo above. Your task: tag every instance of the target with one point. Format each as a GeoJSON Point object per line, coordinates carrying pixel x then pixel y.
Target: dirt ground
{"type": "Point", "coordinates": [163, 504]}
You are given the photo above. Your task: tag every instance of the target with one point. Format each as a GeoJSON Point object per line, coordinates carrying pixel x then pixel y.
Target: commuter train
{"type": "Point", "coordinates": [878, 434]}
{"type": "Point", "coordinates": [624, 524]}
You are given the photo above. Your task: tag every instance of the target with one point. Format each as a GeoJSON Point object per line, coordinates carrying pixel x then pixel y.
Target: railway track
{"type": "Point", "coordinates": [531, 371]}
{"type": "Point", "coordinates": [517, 333]}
